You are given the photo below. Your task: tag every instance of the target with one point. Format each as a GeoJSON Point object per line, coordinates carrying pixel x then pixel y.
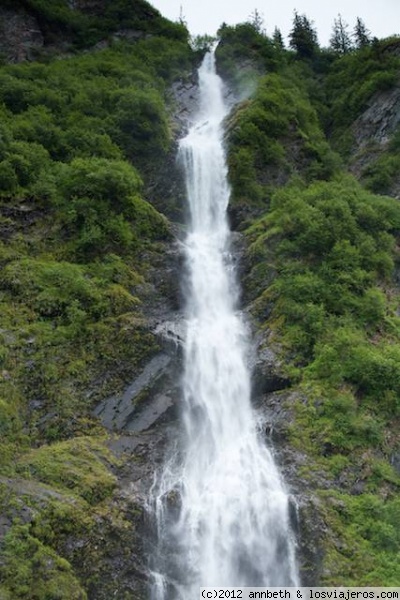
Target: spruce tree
{"type": "Point", "coordinates": [278, 39]}
{"type": "Point", "coordinates": [303, 37]}
{"type": "Point", "coordinates": [257, 21]}
{"type": "Point", "coordinates": [361, 34]}
{"type": "Point", "coordinates": [340, 39]}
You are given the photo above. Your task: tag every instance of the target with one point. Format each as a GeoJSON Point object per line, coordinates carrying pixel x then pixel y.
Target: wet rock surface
{"type": "Point", "coordinates": [267, 368]}
{"type": "Point", "coordinates": [140, 405]}
{"type": "Point", "coordinates": [276, 416]}
{"type": "Point", "coordinates": [185, 95]}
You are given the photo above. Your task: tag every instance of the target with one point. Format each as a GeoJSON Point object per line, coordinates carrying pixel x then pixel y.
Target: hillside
{"type": "Point", "coordinates": [320, 280]}
{"type": "Point", "coordinates": [93, 96]}
{"type": "Point", "coordinates": [82, 251]}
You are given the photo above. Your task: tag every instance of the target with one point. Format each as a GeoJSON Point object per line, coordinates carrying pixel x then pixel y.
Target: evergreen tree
{"type": "Point", "coordinates": [257, 21]}
{"type": "Point", "coordinates": [361, 34]}
{"type": "Point", "coordinates": [340, 39]}
{"type": "Point", "coordinates": [303, 36]}
{"type": "Point", "coordinates": [202, 43]}
{"type": "Point", "coordinates": [278, 39]}
{"type": "Point", "coordinates": [182, 18]}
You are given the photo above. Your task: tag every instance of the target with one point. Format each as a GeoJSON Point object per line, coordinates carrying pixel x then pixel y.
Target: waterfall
{"type": "Point", "coordinates": [221, 507]}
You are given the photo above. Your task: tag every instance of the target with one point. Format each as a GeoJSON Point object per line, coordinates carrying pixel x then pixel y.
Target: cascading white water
{"type": "Point", "coordinates": [221, 507]}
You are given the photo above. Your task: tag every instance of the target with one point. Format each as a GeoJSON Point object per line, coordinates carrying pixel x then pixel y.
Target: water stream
{"type": "Point", "coordinates": [220, 504]}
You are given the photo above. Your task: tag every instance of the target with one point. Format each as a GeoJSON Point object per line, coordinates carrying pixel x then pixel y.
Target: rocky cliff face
{"type": "Point", "coordinates": [373, 131]}
{"type": "Point", "coordinates": [20, 35]}
{"type": "Point", "coordinates": [378, 122]}
{"type": "Point", "coordinates": [28, 31]}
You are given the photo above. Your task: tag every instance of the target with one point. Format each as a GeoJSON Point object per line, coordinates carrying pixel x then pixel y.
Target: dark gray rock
{"type": "Point", "coordinates": [20, 35]}
{"type": "Point", "coordinates": [143, 402]}
{"type": "Point", "coordinates": [395, 461]}
{"type": "Point", "coordinates": [185, 94]}
{"type": "Point", "coordinates": [372, 132]}
{"type": "Point", "coordinates": [267, 368]}
{"type": "Point", "coordinates": [379, 121]}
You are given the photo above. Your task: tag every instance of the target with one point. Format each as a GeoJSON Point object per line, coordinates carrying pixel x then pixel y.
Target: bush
{"type": "Point", "coordinates": [77, 466]}
{"type": "Point", "coordinates": [351, 82]}
{"type": "Point", "coordinates": [274, 135]}
{"type": "Point", "coordinates": [142, 127]}
{"type": "Point", "coordinates": [331, 248]}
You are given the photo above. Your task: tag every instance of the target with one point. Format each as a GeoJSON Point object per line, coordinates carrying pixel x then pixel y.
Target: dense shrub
{"type": "Point", "coordinates": [78, 242]}
{"type": "Point", "coordinates": [273, 136]}
{"type": "Point", "coordinates": [351, 82]}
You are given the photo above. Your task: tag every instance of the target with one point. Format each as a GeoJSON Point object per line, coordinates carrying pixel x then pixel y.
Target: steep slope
{"type": "Point", "coordinates": [320, 284]}
{"type": "Point", "coordinates": [89, 293]}
{"type": "Point", "coordinates": [364, 116]}
{"type": "Point", "coordinates": [87, 271]}
{"type": "Point", "coordinates": [33, 29]}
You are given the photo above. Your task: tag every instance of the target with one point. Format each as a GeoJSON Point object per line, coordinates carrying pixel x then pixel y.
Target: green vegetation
{"type": "Point", "coordinates": [303, 37]}
{"type": "Point", "coordinates": [80, 139]}
{"type": "Point", "coordinates": [273, 136]}
{"type": "Point", "coordinates": [58, 19]}
{"type": "Point", "coordinates": [70, 273]}
{"type": "Point", "coordinates": [332, 244]}
{"type": "Point", "coordinates": [320, 263]}
{"type": "Point", "coordinates": [45, 575]}
{"type": "Point", "coordinates": [247, 45]}
{"type": "Point", "coordinates": [380, 175]}
{"type": "Point", "coordinates": [352, 81]}
{"type": "Point", "coordinates": [67, 489]}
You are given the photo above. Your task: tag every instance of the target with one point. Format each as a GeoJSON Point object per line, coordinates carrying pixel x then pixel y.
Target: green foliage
{"type": "Point", "coordinates": [113, 105]}
{"type": "Point", "coordinates": [361, 34]}
{"type": "Point", "coordinates": [320, 265]}
{"type": "Point", "coordinates": [202, 43]}
{"type": "Point", "coordinates": [79, 170]}
{"type": "Point", "coordinates": [100, 180]}
{"type": "Point", "coordinates": [8, 178]}
{"type": "Point", "coordinates": [340, 39]}
{"type": "Point", "coordinates": [141, 123]}
{"type": "Point", "coordinates": [34, 571]}
{"type": "Point", "coordinates": [78, 466]}
{"type": "Point", "coordinates": [10, 421]}
{"type": "Point", "coordinates": [380, 175]}
{"type": "Point", "coordinates": [318, 274]}
{"type": "Point", "coordinates": [83, 29]}
{"type": "Point", "coordinates": [277, 38]}
{"type": "Point", "coordinates": [332, 244]}
{"type": "Point", "coordinates": [274, 135]}
{"type": "Point", "coordinates": [62, 322]}
{"type": "Point", "coordinates": [367, 526]}
{"type": "Point", "coordinates": [78, 243]}
{"type": "Point", "coordinates": [52, 288]}
{"type": "Point", "coordinates": [245, 44]}
{"type": "Point", "coordinates": [327, 252]}
{"type": "Point", "coordinates": [350, 83]}
{"type": "Point", "coordinates": [303, 37]}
